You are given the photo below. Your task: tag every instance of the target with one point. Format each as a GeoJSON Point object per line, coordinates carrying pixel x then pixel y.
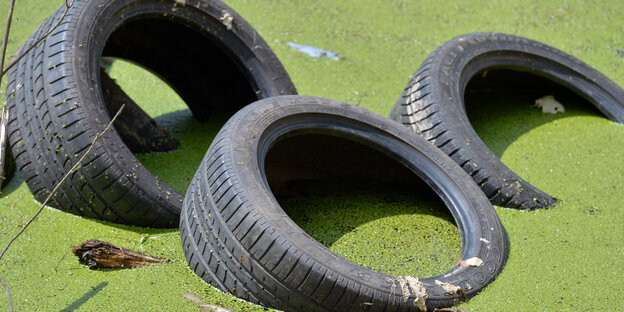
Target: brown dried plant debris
{"type": "Point", "coordinates": [474, 262]}
{"type": "Point", "coordinates": [98, 254]}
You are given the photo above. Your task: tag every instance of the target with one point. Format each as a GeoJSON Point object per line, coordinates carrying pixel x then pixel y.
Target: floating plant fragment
{"type": "Point", "coordinates": [314, 51]}
{"type": "Point", "coordinates": [549, 105]}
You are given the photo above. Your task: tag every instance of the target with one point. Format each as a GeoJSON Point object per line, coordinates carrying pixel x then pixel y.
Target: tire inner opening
{"type": "Point", "coordinates": [191, 61]}
{"type": "Point", "coordinates": [185, 87]}
{"type": "Point", "coordinates": [363, 205]}
{"type": "Point", "coordinates": [500, 104]}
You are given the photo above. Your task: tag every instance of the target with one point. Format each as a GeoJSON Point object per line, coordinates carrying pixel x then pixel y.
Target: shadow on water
{"type": "Point", "coordinates": [500, 106]}
{"type": "Point", "coordinates": [167, 102]}
{"type": "Point", "coordinates": [344, 205]}
{"type": "Point", "coordinates": [86, 297]}
{"type": "Point", "coordinates": [15, 183]}
{"type": "Point", "coordinates": [177, 168]}
{"type": "Point", "coordinates": [363, 205]}
{"type": "Point", "coordinates": [388, 228]}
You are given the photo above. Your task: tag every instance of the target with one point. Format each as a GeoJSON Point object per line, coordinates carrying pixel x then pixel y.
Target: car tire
{"type": "Point", "coordinates": [236, 236]}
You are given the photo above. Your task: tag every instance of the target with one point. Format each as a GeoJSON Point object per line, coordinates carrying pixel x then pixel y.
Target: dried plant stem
{"type": "Point", "coordinates": [147, 237]}
{"type": "Point", "coordinates": [6, 37]}
{"type": "Point", "coordinates": [8, 294]}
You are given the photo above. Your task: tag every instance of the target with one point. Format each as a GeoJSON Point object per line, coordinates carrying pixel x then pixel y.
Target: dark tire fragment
{"type": "Point", "coordinates": [236, 236]}
{"type": "Point", "coordinates": [433, 104]}
{"type": "Point", "coordinates": [8, 162]}
{"type": "Point", "coordinates": [57, 104]}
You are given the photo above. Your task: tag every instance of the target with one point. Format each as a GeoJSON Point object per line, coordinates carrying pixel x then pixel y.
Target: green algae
{"type": "Point", "coordinates": [565, 258]}
{"type": "Point", "coordinates": [154, 96]}
{"type": "Point", "coordinates": [392, 230]}
{"type": "Point", "coordinates": [42, 278]}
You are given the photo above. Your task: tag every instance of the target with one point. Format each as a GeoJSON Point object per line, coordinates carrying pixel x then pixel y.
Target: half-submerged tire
{"type": "Point", "coordinates": [236, 236]}
{"type": "Point", "coordinates": [203, 49]}
{"type": "Point", "coordinates": [433, 104]}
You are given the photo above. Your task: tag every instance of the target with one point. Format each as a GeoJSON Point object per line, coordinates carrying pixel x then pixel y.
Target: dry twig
{"type": "Point", "coordinates": [33, 45]}
{"type": "Point", "coordinates": [148, 237]}
{"type": "Point", "coordinates": [8, 294]}
{"type": "Point", "coordinates": [6, 38]}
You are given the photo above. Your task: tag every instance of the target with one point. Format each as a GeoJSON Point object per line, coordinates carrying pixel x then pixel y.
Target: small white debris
{"type": "Point", "coordinates": [474, 261]}
{"type": "Point", "coordinates": [448, 287]}
{"type": "Point", "coordinates": [487, 242]}
{"type": "Point", "coordinates": [549, 105]}
{"type": "Point", "coordinates": [176, 3]}
{"type": "Point", "coordinates": [226, 19]}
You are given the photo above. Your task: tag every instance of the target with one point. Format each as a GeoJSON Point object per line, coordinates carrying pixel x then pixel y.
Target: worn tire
{"type": "Point", "coordinates": [209, 54]}
{"type": "Point", "coordinates": [236, 236]}
{"type": "Point", "coordinates": [433, 104]}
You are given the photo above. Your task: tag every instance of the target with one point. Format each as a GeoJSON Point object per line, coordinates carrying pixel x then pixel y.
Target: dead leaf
{"type": "Point", "coordinates": [450, 310]}
{"type": "Point", "coordinates": [474, 261]}
{"type": "Point", "coordinates": [411, 286]}
{"type": "Point", "coordinates": [449, 288]}
{"type": "Point", "coordinates": [98, 254]}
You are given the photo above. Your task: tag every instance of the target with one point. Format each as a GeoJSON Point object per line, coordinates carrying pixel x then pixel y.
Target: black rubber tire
{"type": "Point", "coordinates": [433, 104]}
{"type": "Point", "coordinates": [57, 104]}
{"type": "Point", "coordinates": [236, 236]}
